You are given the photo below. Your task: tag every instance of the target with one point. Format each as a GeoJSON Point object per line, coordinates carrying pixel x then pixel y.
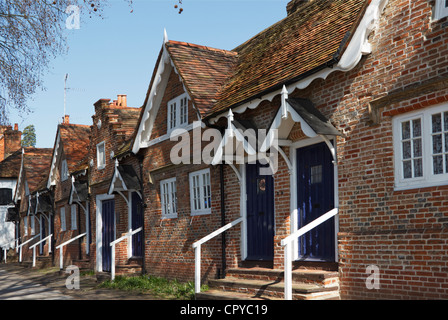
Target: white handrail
{"type": "Point", "coordinates": [3, 246]}
{"type": "Point", "coordinates": [288, 248]}
{"type": "Point", "coordinates": [197, 252]}
{"type": "Point", "coordinates": [24, 243]}
{"type": "Point", "coordinates": [113, 243]}
{"type": "Point", "coordinates": [34, 248]}
{"type": "Point", "coordinates": [61, 248]}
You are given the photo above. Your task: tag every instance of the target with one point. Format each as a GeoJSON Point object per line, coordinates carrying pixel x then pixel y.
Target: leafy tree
{"type": "Point", "coordinates": [32, 32]}
{"type": "Point", "coordinates": [29, 136]}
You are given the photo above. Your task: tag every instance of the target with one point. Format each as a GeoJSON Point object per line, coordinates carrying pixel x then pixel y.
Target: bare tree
{"type": "Point", "coordinates": [32, 32]}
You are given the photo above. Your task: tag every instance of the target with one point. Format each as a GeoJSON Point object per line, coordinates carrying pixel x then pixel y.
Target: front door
{"type": "Point", "coordinates": [316, 197]}
{"type": "Point", "coordinates": [137, 222]}
{"type": "Point", "coordinates": [260, 214]}
{"type": "Point", "coordinates": [108, 215]}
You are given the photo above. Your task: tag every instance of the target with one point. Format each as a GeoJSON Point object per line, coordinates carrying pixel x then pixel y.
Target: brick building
{"type": "Point", "coordinates": [110, 203]}
{"type": "Point", "coordinates": [356, 93]}
{"type": "Point", "coordinates": [66, 218]}
{"type": "Point", "coordinates": [34, 168]}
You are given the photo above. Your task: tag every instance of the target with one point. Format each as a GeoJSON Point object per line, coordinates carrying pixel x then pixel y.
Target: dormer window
{"type": "Point", "coordinates": [101, 155]}
{"type": "Point", "coordinates": [64, 170]}
{"type": "Point", "coordinates": [177, 112]}
{"type": "Point", "coordinates": [441, 9]}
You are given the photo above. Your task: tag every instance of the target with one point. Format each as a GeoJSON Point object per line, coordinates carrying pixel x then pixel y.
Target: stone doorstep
{"type": "Point", "coordinates": [320, 277]}
{"type": "Point", "coordinates": [267, 288]}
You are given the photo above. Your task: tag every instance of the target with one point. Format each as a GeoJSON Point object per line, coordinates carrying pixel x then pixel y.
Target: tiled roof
{"type": "Point", "coordinates": [205, 70]}
{"type": "Point", "coordinates": [308, 39]}
{"type": "Point", "coordinates": [36, 166]}
{"type": "Point", "coordinates": [75, 140]}
{"type": "Point", "coordinates": [10, 167]}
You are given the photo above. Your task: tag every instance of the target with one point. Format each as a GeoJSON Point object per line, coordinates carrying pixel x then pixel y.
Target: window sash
{"type": "Point", "coordinates": [421, 157]}
{"type": "Point", "coordinates": [101, 155]}
{"type": "Point", "coordinates": [62, 212]}
{"type": "Point", "coordinates": [177, 112]}
{"type": "Point", "coordinates": [168, 195]}
{"type": "Point", "coordinates": [64, 170]}
{"type": "Point", "coordinates": [200, 192]}
{"type": "Point", "coordinates": [73, 215]}
{"type": "Point", "coordinates": [441, 9]}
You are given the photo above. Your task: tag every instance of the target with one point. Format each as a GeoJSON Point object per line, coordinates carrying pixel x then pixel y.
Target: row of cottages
{"type": "Point", "coordinates": [313, 157]}
{"type": "Point", "coordinates": [10, 158]}
{"type": "Point", "coordinates": [348, 103]}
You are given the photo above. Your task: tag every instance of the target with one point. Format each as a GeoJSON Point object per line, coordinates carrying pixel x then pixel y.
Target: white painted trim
{"type": "Point", "coordinates": [52, 176]}
{"type": "Point", "coordinates": [429, 179]}
{"type": "Point", "coordinates": [440, 10]}
{"type": "Point", "coordinates": [99, 229]}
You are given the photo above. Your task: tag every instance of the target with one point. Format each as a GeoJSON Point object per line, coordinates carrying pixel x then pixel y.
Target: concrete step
{"type": "Point", "coordinates": [319, 277]}
{"type": "Point", "coordinates": [272, 289]}
{"type": "Point", "coordinates": [267, 283]}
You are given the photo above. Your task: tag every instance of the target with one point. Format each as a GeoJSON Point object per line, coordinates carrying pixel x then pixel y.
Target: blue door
{"type": "Point", "coordinates": [260, 214]}
{"type": "Point", "coordinates": [108, 215]}
{"type": "Point", "coordinates": [316, 197]}
{"type": "Point", "coordinates": [137, 222]}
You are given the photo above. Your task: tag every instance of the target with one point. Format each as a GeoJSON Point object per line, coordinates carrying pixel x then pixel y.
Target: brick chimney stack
{"type": "Point", "coordinates": [10, 140]}
{"type": "Point", "coordinates": [122, 100]}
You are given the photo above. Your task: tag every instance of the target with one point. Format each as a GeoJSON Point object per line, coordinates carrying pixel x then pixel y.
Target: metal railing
{"type": "Point", "coordinates": [22, 244]}
{"type": "Point", "coordinates": [197, 252]}
{"type": "Point", "coordinates": [4, 245]}
{"type": "Point", "coordinates": [287, 244]}
{"type": "Point", "coordinates": [61, 249]}
{"type": "Point", "coordinates": [113, 243]}
{"type": "Point", "coordinates": [34, 247]}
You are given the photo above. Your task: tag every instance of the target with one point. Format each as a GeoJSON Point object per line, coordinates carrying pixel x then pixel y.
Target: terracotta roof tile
{"type": "Point", "coordinates": [307, 39]}
{"type": "Point", "coordinates": [205, 70]}
{"type": "Point", "coordinates": [10, 167]}
{"type": "Point", "coordinates": [36, 166]}
{"type": "Point", "coordinates": [75, 139]}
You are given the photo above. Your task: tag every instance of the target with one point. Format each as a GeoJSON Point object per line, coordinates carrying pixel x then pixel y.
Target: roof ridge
{"type": "Point", "coordinates": [193, 45]}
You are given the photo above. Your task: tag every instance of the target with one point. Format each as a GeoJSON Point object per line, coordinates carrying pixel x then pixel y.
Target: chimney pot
{"type": "Point", "coordinates": [16, 126]}
{"type": "Point", "coordinates": [122, 101]}
{"type": "Point", "coordinates": [66, 119]}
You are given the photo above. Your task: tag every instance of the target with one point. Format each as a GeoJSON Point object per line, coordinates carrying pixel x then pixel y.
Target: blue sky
{"type": "Point", "coordinates": [116, 54]}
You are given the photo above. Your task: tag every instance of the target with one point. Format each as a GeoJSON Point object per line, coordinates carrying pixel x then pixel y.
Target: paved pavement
{"type": "Point", "coordinates": [21, 283]}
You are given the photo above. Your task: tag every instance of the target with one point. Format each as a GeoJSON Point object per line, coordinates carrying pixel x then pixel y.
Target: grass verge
{"type": "Point", "coordinates": [160, 287]}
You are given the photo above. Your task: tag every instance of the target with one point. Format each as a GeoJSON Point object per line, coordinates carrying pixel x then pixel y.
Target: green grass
{"type": "Point", "coordinates": [159, 287]}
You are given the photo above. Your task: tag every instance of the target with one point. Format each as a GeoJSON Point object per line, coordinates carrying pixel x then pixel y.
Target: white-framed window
{"type": "Point", "coordinates": [25, 226]}
{"type": "Point", "coordinates": [33, 224]}
{"type": "Point", "coordinates": [101, 155]}
{"type": "Point", "coordinates": [64, 170]}
{"type": "Point", "coordinates": [168, 194]}
{"type": "Point", "coordinates": [441, 9]}
{"type": "Point", "coordinates": [73, 215]}
{"type": "Point", "coordinates": [421, 148]}
{"type": "Point", "coordinates": [200, 192]}
{"type": "Point", "coordinates": [62, 212]}
{"type": "Point", "coordinates": [177, 112]}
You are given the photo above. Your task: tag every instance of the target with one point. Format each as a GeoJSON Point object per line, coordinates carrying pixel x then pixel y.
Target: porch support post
{"type": "Point", "coordinates": [197, 269]}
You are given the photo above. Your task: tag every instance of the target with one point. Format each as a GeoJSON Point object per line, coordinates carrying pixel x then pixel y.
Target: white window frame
{"type": "Point", "coordinates": [101, 164]}
{"type": "Point", "coordinates": [200, 192]}
{"type": "Point", "coordinates": [62, 214]}
{"type": "Point", "coordinates": [428, 179]}
{"type": "Point", "coordinates": [440, 9]}
{"type": "Point", "coordinates": [168, 198]}
{"type": "Point", "coordinates": [73, 216]}
{"type": "Point", "coordinates": [177, 112]}
{"type": "Point", "coordinates": [25, 226]}
{"type": "Point", "coordinates": [64, 170]}
{"type": "Point", "coordinates": [33, 224]}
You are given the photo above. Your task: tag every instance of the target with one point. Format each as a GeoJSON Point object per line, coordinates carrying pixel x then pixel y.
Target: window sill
{"type": "Point", "coordinates": [201, 213]}
{"type": "Point", "coordinates": [419, 185]}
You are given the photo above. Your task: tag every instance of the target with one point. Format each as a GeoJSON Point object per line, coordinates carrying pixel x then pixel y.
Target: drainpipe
{"type": "Point", "coordinates": [223, 209]}
{"type": "Point", "coordinates": [143, 206]}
